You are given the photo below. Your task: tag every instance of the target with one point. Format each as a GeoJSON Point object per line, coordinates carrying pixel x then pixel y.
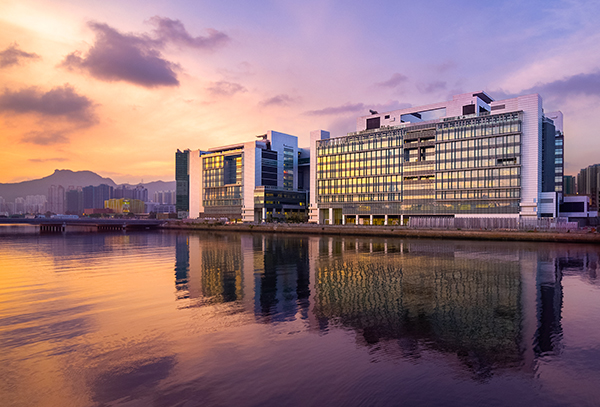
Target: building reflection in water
{"type": "Point", "coordinates": [549, 305]}
{"type": "Point", "coordinates": [415, 298]}
{"type": "Point", "coordinates": [281, 278]}
{"type": "Point", "coordinates": [490, 305]}
{"type": "Point", "coordinates": [182, 266]}
{"type": "Point", "coordinates": [268, 276]}
{"type": "Point", "coordinates": [208, 271]}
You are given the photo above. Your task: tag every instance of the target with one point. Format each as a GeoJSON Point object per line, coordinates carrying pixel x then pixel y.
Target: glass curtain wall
{"type": "Point", "coordinates": [222, 181]}
{"type": "Point", "coordinates": [452, 166]}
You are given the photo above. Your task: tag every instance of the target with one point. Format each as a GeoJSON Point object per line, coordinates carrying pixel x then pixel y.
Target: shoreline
{"type": "Point", "coordinates": [393, 231]}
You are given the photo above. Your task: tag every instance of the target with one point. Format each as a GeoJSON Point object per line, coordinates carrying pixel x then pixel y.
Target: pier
{"type": "Point", "coordinates": [83, 225]}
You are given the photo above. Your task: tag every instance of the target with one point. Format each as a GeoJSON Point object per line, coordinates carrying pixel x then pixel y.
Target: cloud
{"type": "Point", "coordinates": [44, 160]}
{"type": "Point", "coordinates": [353, 108]}
{"type": "Point", "coordinates": [13, 56]}
{"type": "Point", "coordinates": [279, 100]}
{"type": "Point", "coordinates": [241, 70]}
{"type": "Point", "coordinates": [582, 84]}
{"type": "Point", "coordinates": [224, 88]}
{"type": "Point", "coordinates": [43, 138]}
{"type": "Point", "coordinates": [335, 110]}
{"type": "Point", "coordinates": [173, 31]}
{"type": "Point", "coordinates": [124, 57]}
{"type": "Point", "coordinates": [136, 58]}
{"type": "Point", "coordinates": [394, 81]}
{"type": "Point", "coordinates": [61, 101]}
{"type": "Point", "coordinates": [433, 87]}
{"type": "Point", "coordinates": [444, 66]}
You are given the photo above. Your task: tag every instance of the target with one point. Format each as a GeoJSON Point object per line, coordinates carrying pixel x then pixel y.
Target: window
{"type": "Point", "coordinates": [468, 109]}
{"type": "Point", "coordinates": [373, 123]}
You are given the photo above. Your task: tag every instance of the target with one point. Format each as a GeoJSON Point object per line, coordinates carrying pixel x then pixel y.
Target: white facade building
{"type": "Point", "coordinates": [251, 181]}
{"type": "Point", "coordinates": [471, 156]}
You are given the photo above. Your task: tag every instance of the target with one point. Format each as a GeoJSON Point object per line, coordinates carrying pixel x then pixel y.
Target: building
{"type": "Point", "coordinates": [182, 183]}
{"type": "Point", "coordinates": [252, 181]}
{"type": "Point", "coordinates": [569, 185]}
{"type": "Point", "coordinates": [164, 197]}
{"type": "Point", "coordinates": [94, 196]}
{"type": "Point", "coordinates": [56, 199]}
{"type": "Point", "coordinates": [558, 139]}
{"type": "Point", "coordinates": [159, 208]}
{"type": "Point", "coordinates": [125, 205]}
{"type": "Point", "coordinates": [19, 206]}
{"type": "Point", "coordinates": [577, 208]}
{"type": "Point", "coordinates": [588, 183]}
{"type": "Point", "coordinates": [74, 201]}
{"type": "Point", "coordinates": [35, 204]}
{"type": "Point", "coordinates": [126, 191]}
{"type": "Point", "coordinates": [471, 156]}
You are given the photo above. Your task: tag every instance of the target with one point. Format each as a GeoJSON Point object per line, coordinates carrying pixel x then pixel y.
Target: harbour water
{"type": "Point", "coordinates": [221, 319]}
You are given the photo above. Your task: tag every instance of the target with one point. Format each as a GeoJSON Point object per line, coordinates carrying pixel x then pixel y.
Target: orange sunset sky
{"type": "Point", "coordinates": [116, 87]}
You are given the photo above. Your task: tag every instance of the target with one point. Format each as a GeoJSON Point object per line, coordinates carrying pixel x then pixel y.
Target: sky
{"type": "Point", "coordinates": [117, 87]}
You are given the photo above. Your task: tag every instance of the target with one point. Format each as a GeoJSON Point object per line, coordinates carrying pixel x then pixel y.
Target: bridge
{"type": "Point", "coordinates": [59, 225]}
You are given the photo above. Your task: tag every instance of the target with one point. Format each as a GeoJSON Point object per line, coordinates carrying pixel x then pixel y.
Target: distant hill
{"type": "Point", "coordinates": [66, 178]}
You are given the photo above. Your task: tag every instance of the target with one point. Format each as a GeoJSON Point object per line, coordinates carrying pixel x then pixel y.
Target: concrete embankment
{"type": "Point", "coordinates": [394, 231]}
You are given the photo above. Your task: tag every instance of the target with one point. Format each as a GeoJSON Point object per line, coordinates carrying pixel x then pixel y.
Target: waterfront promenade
{"type": "Point", "coordinates": [579, 236]}
{"type": "Point", "coordinates": [587, 235]}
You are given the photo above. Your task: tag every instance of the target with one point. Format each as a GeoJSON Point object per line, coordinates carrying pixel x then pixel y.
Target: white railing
{"type": "Point", "coordinates": [491, 223]}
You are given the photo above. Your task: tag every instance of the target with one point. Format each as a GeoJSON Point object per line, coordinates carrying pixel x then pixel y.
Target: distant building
{"type": "Point", "coordinates": [125, 205]}
{"type": "Point", "coordinates": [125, 191]}
{"type": "Point", "coordinates": [160, 208]}
{"type": "Point", "coordinates": [94, 196]}
{"type": "Point", "coordinates": [588, 183]}
{"type": "Point", "coordinates": [19, 206]}
{"type": "Point", "coordinates": [10, 207]}
{"type": "Point", "coordinates": [74, 202]}
{"type": "Point", "coordinates": [56, 199]}
{"type": "Point", "coordinates": [164, 197]}
{"type": "Point", "coordinates": [35, 204]}
{"type": "Point", "coordinates": [569, 185]}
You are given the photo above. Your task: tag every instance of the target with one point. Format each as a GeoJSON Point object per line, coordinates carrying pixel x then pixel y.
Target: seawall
{"type": "Point", "coordinates": [394, 231]}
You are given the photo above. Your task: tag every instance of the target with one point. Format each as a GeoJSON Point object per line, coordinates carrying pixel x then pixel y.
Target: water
{"type": "Point", "coordinates": [177, 319]}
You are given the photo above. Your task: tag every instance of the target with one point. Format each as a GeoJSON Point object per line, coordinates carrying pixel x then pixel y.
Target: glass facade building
{"type": "Point", "coordinates": [453, 165]}
{"type": "Point", "coordinates": [182, 182]}
{"type": "Point", "coordinates": [222, 182]}
{"type": "Point", "coordinates": [252, 181]}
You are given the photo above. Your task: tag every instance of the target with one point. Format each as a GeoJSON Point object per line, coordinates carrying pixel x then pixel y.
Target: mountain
{"type": "Point", "coordinates": [66, 178]}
